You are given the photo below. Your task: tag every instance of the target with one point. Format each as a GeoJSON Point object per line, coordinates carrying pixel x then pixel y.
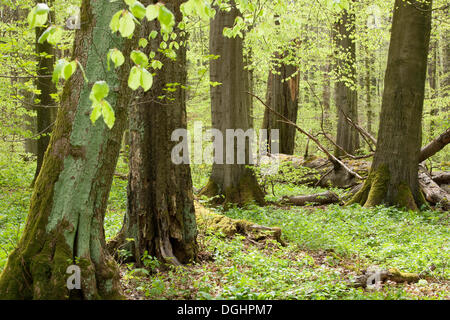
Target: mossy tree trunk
{"type": "Point", "coordinates": [65, 222]}
{"type": "Point", "coordinates": [161, 213]}
{"type": "Point", "coordinates": [346, 96]}
{"type": "Point", "coordinates": [230, 109]}
{"type": "Point", "coordinates": [393, 179]}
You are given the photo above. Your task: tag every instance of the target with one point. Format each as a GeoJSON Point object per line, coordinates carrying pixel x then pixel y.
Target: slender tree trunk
{"type": "Point", "coordinates": [45, 114]}
{"type": "Point", "coordinates": [282, 96]}
{"type": "Point", "coordinates": [393, 179]}
{"type": "Point", "coordinates": [370, 84]}
{"type": "Point", "coordinates": [65, 221]}
{"type": "Point", "coordinates": [161, 214]}
{"type": "Point", "coordinates": [346, 95]}
{"type": "Point", "coordinates": [230, 110]}
{"type": "Point", "coordinates": [433, 81]}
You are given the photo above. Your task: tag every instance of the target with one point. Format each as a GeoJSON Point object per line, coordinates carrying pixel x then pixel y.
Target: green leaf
{"type": "Point", "coordinates": [96, 111]}
{"type": "Point", "coordinates": [130, 2]}
{"type": "Point", "coordinates": [134, 79]}
{"type": "Point", "coordinates": [55, 36]}
{"type": "Point", "coordinates": [100, 90]}
{"type": "Point", "coordinates": [153, 34]}
{"type": "Point", "coordinates": [69, 70]}
{"type": "Point", "coordinates": [138, 10]}
{"type": "Point", "coordinates": [57, 70]}
{"type": "Point", "coordinates": [126, 25]}
{"type": "Point", "coordinates": [156, 64]}
{"type": "Point", "coordinates": [139, 58]}
{"type": "Point", "coordinates": [38, 15]}
{"type": "Point", "coordinates": [152, 12]}
{"type": "Point", "coordinates": [115, 21]}
{"type": "Point", "coordinates": [146, 79]}
{"type": "Point", "coordinates": [116, 57]}
{"type": "Point", "coordinates": [143, 42]}
{"type": "Point", "coordinates": [45, 34]}
{"type": "Point", "coordinates": [166, 19]}
{"type": "Point", "coordinates": [108, 114]}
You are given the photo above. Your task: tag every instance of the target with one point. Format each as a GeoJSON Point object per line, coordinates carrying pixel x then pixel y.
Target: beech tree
{"type": "Point", "coordinates": [161, 215]}
{"type": "Point", "coordinates": [282, 95]}
{"type": "Point", "coordinates": [346, 96]}
{"type": "Point", "coordinates": [230, 110]}
{"type": "Point", "coordinates": [65, 221]}
{"type": "Point", "coordinates": [393, 178]}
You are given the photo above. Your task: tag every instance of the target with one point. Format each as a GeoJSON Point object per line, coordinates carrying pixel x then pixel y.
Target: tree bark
{"type": "Point", "coordinates": [45, 110]}
{"type": "Point", "coordinates": [236, 183]}
{"type": "Point", "coordinates": [346, 95]}
{"type": "Point", "coordinates": [161, 213]}
{"type": "Point", "coordinates": [65, 221]}
{"type": "Point", "coordinates": [317, 199]}
{"type": "Point", "coordinates": [393, 179]}
{"type": "Point", "coordinates": [282, 95]}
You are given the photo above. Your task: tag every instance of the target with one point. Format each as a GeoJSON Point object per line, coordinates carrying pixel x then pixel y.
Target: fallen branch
{"type": "Point", "coordinates": [435, 146]}
{"type": "Point", "coordinates": [336, 162]}
{"type": "Point", "coordinates": [433, 193]}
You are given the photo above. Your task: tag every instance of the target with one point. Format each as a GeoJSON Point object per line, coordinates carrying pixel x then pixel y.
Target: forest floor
{"type": "Point", "coordinates": [326, 248]}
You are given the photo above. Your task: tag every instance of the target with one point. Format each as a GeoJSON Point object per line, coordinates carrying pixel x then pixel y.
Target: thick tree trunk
{"type": "Point", "coordinates": [346, 95]}
{"type": "Point", "coordinates": [161, 213]}
{"type": "Point", "coordinates": [282, 96]}
{"type": "Point", "coordinates": [393, 179]}
{"type": "Point", "coordinates": [45, 111]}
{"type": "Point", "coordinates": [65, 221]}
{"type": "Point", "coordinates": [230, 110]}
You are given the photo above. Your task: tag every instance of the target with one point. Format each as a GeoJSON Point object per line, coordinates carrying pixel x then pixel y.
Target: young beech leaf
{"type": "Point", "coordinates": [99, 91]}
{"type": "Point", "coordinates": [114, 24]}
{"type": "Point", "coordinates": [45, 34]}
{"type": "Point", "coordinates": [143, 42]}
{"type": "Point", "coordinates": [126, 25]}
{"type": "Point", "coordinates": [116, 57]}
{"type": "Point", "coordinates": [146, 79]}
{"type": "Point", "coordinates": [69, 70]}
{"type": "Point", "coordinates": [138, 10]}
{"type": "Point", "coordinates": [57, 70]}
{"type": "Point", "coordinates": [96, 111]}
{"type": "Point", "coordinates": [55, 36]}
{"type": "Point", "coordinates": [134, 79]}
{"type": "Point", "coordinates": [139, 58]}
{"type": "Point", "coordinates": [166, 19]}
{"type": "Point", "coordinates": [152, 12]}
{"type": "Point", "coordinates": [108, 114]}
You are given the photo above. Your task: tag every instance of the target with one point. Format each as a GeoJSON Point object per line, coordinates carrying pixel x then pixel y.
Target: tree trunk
{"type": "Point", "coordinates": [230, 110]}
{"type": "Point", "coordinates": [393, 179]}
{"type": "Point", "coordinates": [346, 95]}
{"type": "Point", "coordinates": [433, 81]}
{"type": "Point", "coordinates": [282, 96]}
{"type": "Point", "coordinates": [161, 213]}
{"type": "Point", "coordinates": [65, 221]}
{"type": "Point", "coordinates": [45, 113]}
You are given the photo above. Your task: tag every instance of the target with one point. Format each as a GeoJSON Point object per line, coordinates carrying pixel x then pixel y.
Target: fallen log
{"type": "Point", "coordinates": [432, 192]}
{"type": "Point", "coordinates": [371, 277]}
{"type": "Point", "coordinates": [319, 199]}
{"type": "Point", "coordinates": [209, 221]}
{"type": "Point", "coordinates": [441, 177]}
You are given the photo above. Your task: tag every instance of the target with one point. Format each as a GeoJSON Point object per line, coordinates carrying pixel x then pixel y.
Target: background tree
{"type": "Point", "coordinates": [161, 215]}
{"type": "Point", "coordinates": [282, 95]}
{"type": "Point", "coordinates": [346, 95]}
{"type": "Point", "coordinates": [393, 178]}
{"type": "Point", "coordinates": [230, 110]}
